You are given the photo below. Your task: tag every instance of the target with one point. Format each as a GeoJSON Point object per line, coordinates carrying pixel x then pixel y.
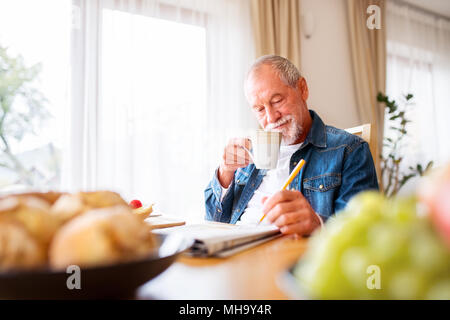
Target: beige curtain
{"type": "Point", "coordinates": [368, 50]}
{"type": "Point", "coordinates": [276, 26]}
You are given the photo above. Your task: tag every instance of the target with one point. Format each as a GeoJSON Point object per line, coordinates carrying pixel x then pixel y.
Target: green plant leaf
{"type": "Point", "coordinates": [419, 169]}
{"type": "Point", "coordinates": [405, 179]}
{"type": "Point", "coordinates": [381, 97]}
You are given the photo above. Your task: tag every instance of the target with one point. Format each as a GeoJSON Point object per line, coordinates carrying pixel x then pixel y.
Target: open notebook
{"type": "Point", "coordinates": [223, 239]}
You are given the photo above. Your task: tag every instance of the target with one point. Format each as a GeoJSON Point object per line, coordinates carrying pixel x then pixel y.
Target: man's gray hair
{"type": "Point", "coordinates": [285, 69]}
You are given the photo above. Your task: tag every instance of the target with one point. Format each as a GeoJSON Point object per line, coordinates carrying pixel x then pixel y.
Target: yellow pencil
{"type": "Point", "coordinates": [293, 174]}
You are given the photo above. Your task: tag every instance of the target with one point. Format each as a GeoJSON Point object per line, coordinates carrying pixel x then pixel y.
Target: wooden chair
{"type": "Point", "coordinates": [364, 131]}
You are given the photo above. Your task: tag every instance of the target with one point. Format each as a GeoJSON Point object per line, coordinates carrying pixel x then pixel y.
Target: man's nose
{"type": "Point", "coordinates": [272, 115]}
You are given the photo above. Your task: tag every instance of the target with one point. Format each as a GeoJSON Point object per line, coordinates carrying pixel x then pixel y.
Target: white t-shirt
{"type": "Point", "coordinates": [272, 182]}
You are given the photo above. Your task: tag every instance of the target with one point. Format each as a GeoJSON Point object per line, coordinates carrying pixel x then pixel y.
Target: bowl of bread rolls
{"type": "Point", "coordinates": [78, 245]}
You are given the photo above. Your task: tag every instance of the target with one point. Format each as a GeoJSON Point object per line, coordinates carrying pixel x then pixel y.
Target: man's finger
{"type": "Point", "coordinates": [281, 208]}
{"type": "Point", "coordinates": [288, 218]}
{"type": "Point", "coordinates": [231, 159]}
{"type": "Point", "coordinates": [241, 142]}
{"type": "Point", "coordinates": [280, 196]}
{"type": "Point", "coordinates": [264, 199]}
{"type": "Point", "coordinates": [300, 228]}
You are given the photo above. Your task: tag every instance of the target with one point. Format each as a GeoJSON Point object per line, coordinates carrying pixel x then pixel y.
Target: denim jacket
{"type": "Point", "coordinates": [338, 166]}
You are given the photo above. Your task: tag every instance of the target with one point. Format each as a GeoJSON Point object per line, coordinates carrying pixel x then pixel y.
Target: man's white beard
{"type": "Point", "coordinates": [290, 134]}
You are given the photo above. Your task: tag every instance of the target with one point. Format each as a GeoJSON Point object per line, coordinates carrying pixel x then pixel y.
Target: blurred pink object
{"type": "Point", "coordinates": [435, 193]}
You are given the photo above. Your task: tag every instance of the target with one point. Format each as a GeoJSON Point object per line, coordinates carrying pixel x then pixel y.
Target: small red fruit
{"type": "Point", "coordinates": [135, 204]}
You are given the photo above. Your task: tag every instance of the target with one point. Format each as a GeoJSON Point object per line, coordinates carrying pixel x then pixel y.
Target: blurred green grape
{"type": "Point", "coordinates": [354, 262]}
{"type": "Point", "coordinates": [375, 233]}
{"type": "Point", "coordinates": [370, 202]}
{"type": "Point", "coordinates": [439, 290]}
{"type": "Point", "coordinates": [406, 284]}
{"type": "Point", "coordinates": [426, 251]}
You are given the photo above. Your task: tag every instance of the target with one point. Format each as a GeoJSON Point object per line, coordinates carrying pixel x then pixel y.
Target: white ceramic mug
{"type": "Point", "coordinates": [265, 148]}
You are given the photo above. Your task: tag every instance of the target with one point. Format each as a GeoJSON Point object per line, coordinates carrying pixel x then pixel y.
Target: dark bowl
{"type": "Point", "coordinates": [109, 281]}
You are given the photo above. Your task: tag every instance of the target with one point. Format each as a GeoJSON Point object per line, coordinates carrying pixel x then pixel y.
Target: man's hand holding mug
{"type": "Point", "coordinates": [234, 157]}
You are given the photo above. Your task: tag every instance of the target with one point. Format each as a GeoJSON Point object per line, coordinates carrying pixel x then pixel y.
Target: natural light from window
{"type": "Point", "coordinates": [152, 116]}
{"type": "Point", "coordinates": [39, 31]}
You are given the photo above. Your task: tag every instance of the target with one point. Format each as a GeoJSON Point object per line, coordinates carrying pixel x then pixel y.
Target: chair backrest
{"type": "Point", "coordinates": [364, 131]}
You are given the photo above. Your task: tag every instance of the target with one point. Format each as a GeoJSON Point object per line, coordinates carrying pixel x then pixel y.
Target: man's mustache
{"type": "Point", "coordinates": [272, 126]}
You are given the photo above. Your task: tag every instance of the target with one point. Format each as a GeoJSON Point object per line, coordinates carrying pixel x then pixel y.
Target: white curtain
{"type": "Point", "coordinates": [418, 62]}
{"type": "Point", "coordinates": [157, 85]}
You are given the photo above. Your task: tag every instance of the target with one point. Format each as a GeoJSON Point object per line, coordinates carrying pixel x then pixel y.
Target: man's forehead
{"type": "Point", "coordinates": [263, 82]}
{"type": "Point", "coordinates": [263, 72]}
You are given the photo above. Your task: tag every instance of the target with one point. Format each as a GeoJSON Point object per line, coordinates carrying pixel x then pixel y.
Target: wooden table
{"type": "Point", "coordinates": [251, 274]}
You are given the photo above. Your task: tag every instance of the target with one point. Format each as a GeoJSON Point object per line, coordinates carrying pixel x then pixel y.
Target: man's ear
{"type": "Point", "coordinates": [303, 88]}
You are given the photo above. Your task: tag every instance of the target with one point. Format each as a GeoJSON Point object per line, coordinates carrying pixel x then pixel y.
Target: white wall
{"type": "Point", "coordinates": [326, 63]}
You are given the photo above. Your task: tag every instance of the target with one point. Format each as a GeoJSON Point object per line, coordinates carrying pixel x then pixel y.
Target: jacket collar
{"type": "Point", "coordinates": [316, 135]}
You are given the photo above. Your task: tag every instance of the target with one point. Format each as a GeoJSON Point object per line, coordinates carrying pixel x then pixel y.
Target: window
{"type": "Point", "coordinates": [154, 87]}
{"type": "Point", "coordinates": [152, 113]}
{"type": "Point", "coordinates": [418, 62]}
{"type": "Point", "coordinates": [39, 31]}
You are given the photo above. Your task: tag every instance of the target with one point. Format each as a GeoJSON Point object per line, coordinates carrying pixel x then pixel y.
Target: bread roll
{"type": "Point", "coordinates": [26, 229]}
{"type": "Point", "coordinates": [101, 236]}
{"type": "Point", "coordinates": [33, 214]}
{"type": "Point", "coordinates": [18, 249]}
{"type": "Point", "coordinates": [69, 206]}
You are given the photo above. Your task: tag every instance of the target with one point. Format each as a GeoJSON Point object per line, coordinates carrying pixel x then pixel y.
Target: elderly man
{"type": "Point", "coordinates": [338, 164]}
